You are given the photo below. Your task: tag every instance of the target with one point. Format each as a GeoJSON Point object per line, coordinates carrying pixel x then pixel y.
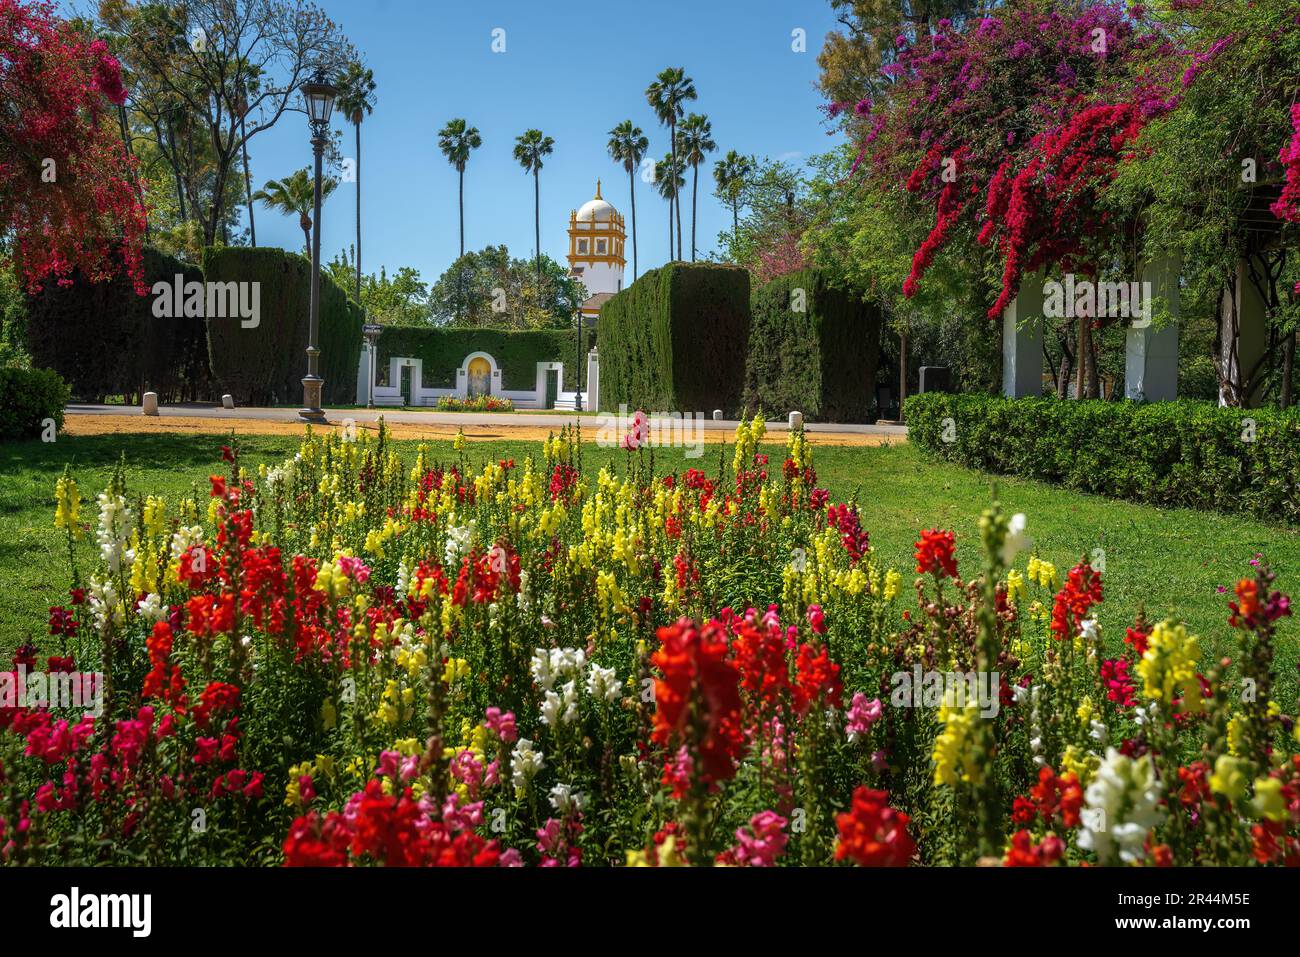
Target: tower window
{"type": "Point", "coordinates": [600, 246]}
{"type": "Point", "coordinates": [582, 245]}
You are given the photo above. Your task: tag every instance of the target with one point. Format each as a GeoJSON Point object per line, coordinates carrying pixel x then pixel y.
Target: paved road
{"type": "Point", "coordinates": [555, 419]}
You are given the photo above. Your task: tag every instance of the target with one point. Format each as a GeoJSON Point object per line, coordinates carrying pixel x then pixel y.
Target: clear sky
{"type": "Point", "coordinates": [573, 70]}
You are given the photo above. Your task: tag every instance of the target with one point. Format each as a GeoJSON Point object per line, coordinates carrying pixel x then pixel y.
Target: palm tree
{"type": "Point", "coordinates": [731, 173]}
{"type": "Point", "coordinates": [295, 194]}
{"type": "Point", "coordinates": [456, 140]}
{"type": "Point", "coordinates": [696, 140]}
{"type": "Point", "coordinates": [356, 101]}
{"type": "Point", "coordinates": [530, 148]}
{"type": "Point", "coordinates": [628, 145]}
{"type": "Point", "coordinates": [669, 180]}
{"type": "Point", "coordinates": [666, 95]}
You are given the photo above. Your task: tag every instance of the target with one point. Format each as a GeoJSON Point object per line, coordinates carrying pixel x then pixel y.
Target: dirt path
{"type": "Point", "coordinates": [74, 424]}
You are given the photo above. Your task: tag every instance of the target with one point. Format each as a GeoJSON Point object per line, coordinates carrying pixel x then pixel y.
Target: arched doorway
{"type": "Point", "coordinates": [479, 376]}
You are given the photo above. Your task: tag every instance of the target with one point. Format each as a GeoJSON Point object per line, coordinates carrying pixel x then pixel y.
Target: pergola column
{"type": "Point", "coordinates": [1022, 340]}
{"type": "Point", "coordinates": [1151, 353]}
{"type": "Point", "coordinates": [1244, 336]}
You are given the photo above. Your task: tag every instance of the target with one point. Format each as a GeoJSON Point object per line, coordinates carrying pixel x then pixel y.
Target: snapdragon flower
{"type": "Point", "coordinates": [1123, 803]}
{"type": "Point", "coordinates": [525, 764]}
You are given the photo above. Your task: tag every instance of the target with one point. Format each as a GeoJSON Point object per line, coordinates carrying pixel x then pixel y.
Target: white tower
{"type": "Point", "coordinates": [596, 238]}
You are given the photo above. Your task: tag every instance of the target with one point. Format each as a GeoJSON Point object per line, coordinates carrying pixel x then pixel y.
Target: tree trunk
{"type": "Point", "coordinates": [1288, 367]}
{"type": "Point", "coordinates": [176, 169]}
{"type": "Point", "coordinates": [735, 225]}
{"type": "Point", "coordinates": [248, 185]}
{"type": "Point", "coordinates": [1082, 356]}
{"type": "Point", "coordinates": [902, 370]}
{"type": "Point", "coordinates": [1094, 375]}
{"type": "Point", "coordinates": [537, 229]}
{"type": "Point", "coordinates": [358, 209]}
{"type": "Point", "coordinates": [695, 190]}
{"type": "Point", "coordinates": [631, 183]}
{"type": "Point", "coordinates": [1067, 364]}
{"type": "Point", "coordinates": [672, 196]}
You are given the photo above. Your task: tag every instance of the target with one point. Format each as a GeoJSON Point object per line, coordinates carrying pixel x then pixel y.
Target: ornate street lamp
{"type": "Point", "coordinates": [318, 95]}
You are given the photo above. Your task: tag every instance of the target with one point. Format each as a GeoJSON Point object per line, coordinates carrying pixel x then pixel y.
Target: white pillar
{"type": "Point", "coordinates": [1151, 352]}
{"type": "Point", "coordinates": [1022, 340]}
{"type": "Point", "coordinates": [591, 398]}
{"type": "Point", "coordinates": [363, 376]}
{"type": "Point", "coordinates": [1243, 346]}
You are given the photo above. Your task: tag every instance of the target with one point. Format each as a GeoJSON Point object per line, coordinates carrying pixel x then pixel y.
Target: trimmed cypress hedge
{"type": "Point", "coordinates": [105, 340]}
{"type": "Point", "coordinates": [444, 348]}
{"type": "Point", "coordinates": [675, 340]}
{"type": "Point", "coordinates": [265, 365]}
{"type": "Point", "coordinates": [1184, 453]}
{"type": "Point", "coordinates": [27, 398]}
{"type": "Point", "coordinates": [812, 348]}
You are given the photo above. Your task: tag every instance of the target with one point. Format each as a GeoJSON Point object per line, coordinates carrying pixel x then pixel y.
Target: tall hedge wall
{"type": "Point", "coordinates": [812, 348]}
{"type": "Point", "coordinates": [1185, 453]}
{"type": "Point", "coordinates": [104, 340]}
{"type": "Point", "coordinates": [265, 365]}
{"type": "Point", "coordinates": [443, 349]}
{"type": "Point", "coordinates": [675, 340]}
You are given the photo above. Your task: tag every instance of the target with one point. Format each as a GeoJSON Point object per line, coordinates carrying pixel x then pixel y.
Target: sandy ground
{"type": "Point", "coordinates": [74, 424]}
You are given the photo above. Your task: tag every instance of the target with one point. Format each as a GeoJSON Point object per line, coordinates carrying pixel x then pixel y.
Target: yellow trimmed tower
{"type": "Point", "coordinates": [596, 238]}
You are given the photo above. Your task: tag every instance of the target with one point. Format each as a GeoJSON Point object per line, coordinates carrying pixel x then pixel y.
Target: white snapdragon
{"type": "Point", "coordinates": [115, 521]}
{"type": "Point", "coordinates": [1016, 541]}
{"type": "Point", "coordinates": [565, 800]}
{"type": "Point", "coordinates": [562, 707]}
{"type": "Point", "coordinates": [525, 763]}
{"type": "Point", "coordinates": [602, 683]}
{"type": "Point", "coordinates": [151, 607]}
{"type": "Point", "coordinates": [459, 540]}
{"type": "Point", "coordinates": [105, 604]}
{"type": "Point", "coordinates": [1122, 805]}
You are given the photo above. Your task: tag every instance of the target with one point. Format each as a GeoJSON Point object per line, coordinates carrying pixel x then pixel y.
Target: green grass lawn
{"type": "Point", "coordinates": [1170, 561]}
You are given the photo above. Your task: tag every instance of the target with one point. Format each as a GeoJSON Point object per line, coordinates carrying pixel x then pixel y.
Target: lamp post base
{"type": "Point", "coordinates": [311, 393]}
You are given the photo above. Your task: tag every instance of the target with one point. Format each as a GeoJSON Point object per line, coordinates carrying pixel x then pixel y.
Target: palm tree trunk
{"type": "Point", "coordinates": [358, 209]}
{"type": "Point", "coordinates": [631, 184]}
{"type": "Point", "coordinates": [248, 184]}
{"type": "Point", "coordinates": [460, 269]}
{"type": "Point", "coordinates": [672, 198]}
{"type": "Point", "coordinates": [695, 192]}
{"type": "Point", "coordinates": [735, 225]}
{"type": "Point", "coordinates": [537, 229]}
{"type": "Point", "coordinates": [462, 211]}
{"type": "Point", "coordinates": [670, 227]}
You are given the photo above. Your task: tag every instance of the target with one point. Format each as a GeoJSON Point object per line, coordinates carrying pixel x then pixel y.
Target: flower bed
{"type": "Point", "coordinates": [349, 659]}
{"type": "Point", "coordinates": [478, 403]}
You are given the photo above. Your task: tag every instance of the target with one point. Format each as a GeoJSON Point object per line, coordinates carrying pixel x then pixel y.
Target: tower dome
{"type": "Point", "coordinates": [596, 238]}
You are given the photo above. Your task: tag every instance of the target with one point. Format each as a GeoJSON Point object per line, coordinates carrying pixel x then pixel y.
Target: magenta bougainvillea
{"type": "Point", "coordinates": [66, 190]}
{"type": "Point", "coordinates": [1020, 120]}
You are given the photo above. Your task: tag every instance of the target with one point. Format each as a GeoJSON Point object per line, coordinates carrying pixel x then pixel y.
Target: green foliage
{"type": "Point", "coordinates": [676, 339]}
{"type": "Point", "coordinates": [490, 289]}
{"type": "Point", "coordinates": [1184, 453]}
{"type": "Point", "coordinates": [265, 364]}
{"type": "Point", "coordinates": [27, 398]}
{"type": "Point", "coordinates": [517, 352]}
{"type": "Point", "coordinates": [104, 340]}
{"type": "Point", "coordinates": [818, 356]}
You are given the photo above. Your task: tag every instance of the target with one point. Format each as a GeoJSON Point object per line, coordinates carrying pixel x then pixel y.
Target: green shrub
{"type": "Point", "coordinates": [1185, 453]}
{"type": "Point", "coordinates": [812, 347]}
{"type": "Point", "coordinates": [27, 398]}
{"type": "Point", "coordinates": [676, 339]}
{"type": "Point", "coordinates": [264, 365]}
{"type": "Point", "coordinates": [105, 340]}
{"type": "Point", "coordinates": [442, 349]}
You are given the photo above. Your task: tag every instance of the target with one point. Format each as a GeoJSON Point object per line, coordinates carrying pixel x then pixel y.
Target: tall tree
{"type": "Point", "coordinates": [242, 105]}
{"type": "Point", "coordinates": [730, 175]}
{"type": "Point", "coordinates": [295, 194]}
{"type": "Point", "coordinates": [628, 145]}
{"type": "Point", "coordinates": [669, 180]}
{"type": "Point", "coordinates": [666, 96]}
{"type": "Point", "coordinates": [204, 54]}
{"type": "Point", "coordinates": [696, 141]}
{"type": "Point", "coordinates": [356, 102]}
{"type": "Point", "coordinates": [67, 194]}
{"type": "Point", "coordinates": [530, 149]}
{"type": "Point", "coordinates": [457, 140]}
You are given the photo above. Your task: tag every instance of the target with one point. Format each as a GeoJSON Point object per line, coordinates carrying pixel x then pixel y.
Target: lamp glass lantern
{"type": "Point", "coordinates": [319, 95]}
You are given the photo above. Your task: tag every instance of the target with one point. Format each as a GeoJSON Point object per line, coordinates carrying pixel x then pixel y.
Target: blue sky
{"type": "Point", "coordinates": [573, 70]}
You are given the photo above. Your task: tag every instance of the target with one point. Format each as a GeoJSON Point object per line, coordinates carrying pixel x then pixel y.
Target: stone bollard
{"type": "Point", "coordinates": [796, 420]}
{"type": "Point", "coordinates": [227, 401]}
{"type": "Point", "coordinates": [717, 415]}
{"type": "Point", "coordinates": [150, 403]}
